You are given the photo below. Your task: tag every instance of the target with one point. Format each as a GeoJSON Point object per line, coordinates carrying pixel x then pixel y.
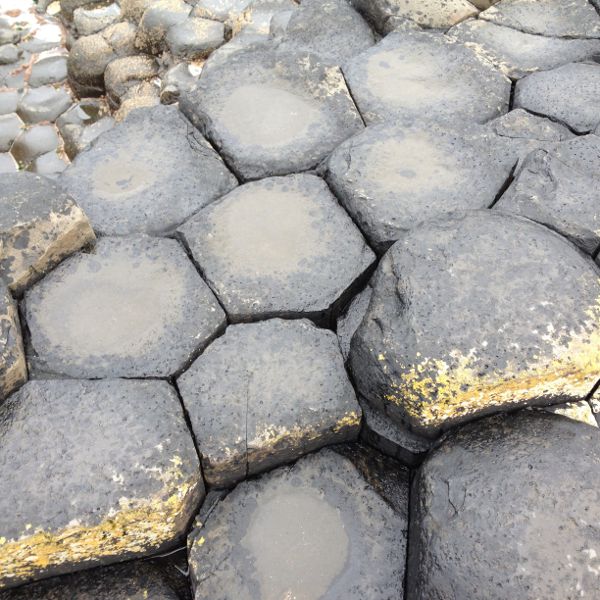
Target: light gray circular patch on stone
{"type": "Point", "coordinates": [413, 74]}
{"type": "Point", "coordinates": [147, 174]}
{"type": "Point", "coordinates": [272, 113]}
{"type": "Point", "coordinates": [316, 530]}
{"type": "Point", "coordinates": [568, 93]}
{"type": "Point", "coordinates": [508, 508]}
{"type": "Point", "coordinates": [135, 307]}
{"type": "Point", "coordinates": [281, 246]}
{"type": "Point", "coordinates": [264, 394]}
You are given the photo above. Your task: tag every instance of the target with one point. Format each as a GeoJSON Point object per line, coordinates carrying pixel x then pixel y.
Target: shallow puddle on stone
{"type": "Point", "coordinates": [264, 115]}
{"type": "Point", "coordinates": [298, 543]}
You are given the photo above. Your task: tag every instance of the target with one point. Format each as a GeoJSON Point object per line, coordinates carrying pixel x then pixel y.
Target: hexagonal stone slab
{"type": "Point", "coordinates": [494, 515]}
{"type": "Point", "coordinates": [39, 226]}
{"type": "Point", "coordinates": [517, 53]}
{"type": "Point", "coordinates": [272, 113]}
{"type": "Point", "coordinates": [13, 370]}
{"type": "Point", "coordinates": [560, 188]}
{"type": "Point", "coordinates": [146, 485]}
{"type": "Point", "coordinates": [568, 94]}
{"type": "Point", "coordinates": [264, 394]}
{"type": "Point", "coordinates": [413, 74]}
{"type": "Point", "coordinates": [147, 174]}
{"type": "Point", "coordinates": [136, 307]}
{"type": "Point", "coordinates": [315, 530]}
{"type": "Point", "coordinates": [475, 314]}
{"type": "Point", "coordinates": [278, 247]}
{"type": "Point", "coordinates": [556, 18]}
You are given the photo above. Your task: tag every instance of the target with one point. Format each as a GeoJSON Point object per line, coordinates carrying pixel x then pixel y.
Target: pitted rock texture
{"type": "Point", "coordinates": [479, 313]}
{"type": "Point", "coordinates": [567, 93]}
{"type": "Point", "coordinates": [39, 226]}
{"type": "Point", "coordinates": [131, 581]}
{"type": "Point", "coordinates": [266, 393]}
{"type": "Point", "coordinates": [494, 515]}
{"type": "Point", "coordinates": [272, 113]}
{"type": "Point", "coordinates": [560, 187]}
{"type": "Point", "coordinates": [147, 174]}
{"type": "Point", "coordinates": [411, 74]}
{"type": "Point", "coordinates": [281, 246]}
{"type": "Point", "coordinates": [297, 532]}
{"type": "Point", "coordinates": [146, 485]}
{"type": "Point", "coordinates": [517, 53]}
{"type": "Point", "coordinates": [134, 307]}
{"type": "Point", "coordinates": [13, 368]}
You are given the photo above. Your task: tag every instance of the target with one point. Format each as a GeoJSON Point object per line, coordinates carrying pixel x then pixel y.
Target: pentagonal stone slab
{"type": "Point", "coordinates": [125, 475]}
{"type": "Point", "coordinates": [556, 18]}
{"type": "Point", "coordinates": [425, 74]}
{"type": "Point", "coordinates": [478, 313]}
{"type": "Point", "coordinates": [516, 53]}
{"type": "Point", "coordinates": [494, 515]}
{"type": "Point", "coordinates": [316, 530]}
{"type": "Point", "coordinates": [148, 174]}
{"type": "Point", "coordinates": [272, 113]}
{"type": "Point", "coordinates": [13, 370]}
{"type": "Point", "coordinates": [39, 226]}
{"type": "Point", "coordinates": [560, 188]}
{"type": "Point", "coordinates": [568, 93]}
{"type": "Point", "coordinates": [135, 307]}
{"type": "Point", "coordinates": [391, 178]}
{"type": "Point", "coordinates": [278, 247]}
{"type": "Point", "coordinates": [331, 28]}
{"type": "Point", "coordinates": [264, 394]}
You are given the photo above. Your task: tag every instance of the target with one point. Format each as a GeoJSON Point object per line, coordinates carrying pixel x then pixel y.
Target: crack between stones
{"type": "Point", "coordinates": [352, 97]}
{"type": "Point", "coordinates": [541, 35]}
{"type": "Point", "coordinates": [558, 121]}
{"type": "Point", "coordinates": [507, 183]}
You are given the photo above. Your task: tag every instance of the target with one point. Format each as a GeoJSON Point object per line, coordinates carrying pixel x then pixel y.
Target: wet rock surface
{"type": "Point", "coordinates": [147, 174]}
{"type": "Point", "coordinates": [495, 517]}
{"type": "Point", "coordinates": [266, 393]}
{"type": "Point", "coordinates": [298, 531]}
{"type": "Point", "coordinates": [134, 307]}
{"type": "Point", "coordinates": [416, 353]}
{"type": "Point", "coordinates": [132, 436]}
{"type": "Point", "coordinates": [278, 247]}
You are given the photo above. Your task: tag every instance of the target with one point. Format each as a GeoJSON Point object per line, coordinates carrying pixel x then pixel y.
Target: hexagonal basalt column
{"type": "Point", "coordinates": [411, 75]}
{"type": "Point", "coordinates": [264, 394]}
{"type": "Point", "coordinates": [315, 530]}
{"type": "Point", "coordinates": [124, 475]}
{"type": "Point", "coordinates": [476, 314]}
{"type": "Point", "coordinates": [147, 174]}
{"type": "Point", "coordinates": [272, 113]}
{"type": "Point", "coordinates": [278, 247]}
{"type": "Point", "coordinates": [13, 370]}
{"type": "Point", "coordinates": [136, 307]}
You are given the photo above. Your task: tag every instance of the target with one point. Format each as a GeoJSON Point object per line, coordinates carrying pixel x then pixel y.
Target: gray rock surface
{"type": "Point", "coordinates": [348, 322]}
{"type": "Point", "coordinates": [135, 307]}
{"type": "Point", "coordinates": [123, 73]}
{"type": "Point", "coordinates": [281, 246]}
{"type": "Point", "coordinates": [494, 515]}
{"type": "Point", "coordinates": [412, 74]}
{"type": "Point", "coordinates": [475, 314]}
{"type": "Point", "coordinates": [220, 10]}
{"type": "Point", "coordinates": [10, 127]}
{"type": "Point", "coordinates": [266, 393]}
{"type": "Point", "coordinates": [567, 93]}
{"type": "Point", "coordinates": [34, 142]}
{"type": "Point", "coordinates": [125, 475]}
{"type": "Point", "coordinates": [49, 68]}
{"type": "Point", "coordinates": [89, 21]}
{"type": "Point", "coordinates": [44, 103]}
{"type": "Point", "coordinates": [147, 174]}
{"type": "Point", "coordinates": [272, 113]}
{"type": "Point", "coordinates": [13, 370]}
{"type": "Point", "coordinates": [157, 19]}
{"type": "Point", "coordinates": [88, 58]}
{"type": "Point", "coordinates": [195, 38]}
{"type": "Point", "coordinates": [315, 530]}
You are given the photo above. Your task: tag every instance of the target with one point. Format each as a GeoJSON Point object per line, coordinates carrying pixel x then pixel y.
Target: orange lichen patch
{"type": "Point", "coordinates": [137, 526]}
{"type": "Point", "coordinates": [434, 394]}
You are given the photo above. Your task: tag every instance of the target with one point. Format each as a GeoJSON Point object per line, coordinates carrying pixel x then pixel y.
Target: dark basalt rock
{"type": "Point", "coordinates": [125, 475]}
{"type": "Point", "coordinates": [272, 113]}
{"type": "Point", "coordinates": [348, 322]}
{"type": "Point", "coordinates": [195, 38]}
{"type": "Point", "coordinates": [13, 369]}
{"type": "Point", "coordinates": [475, 314]}
{"type": "Point", "coordinates": [43, 103]}
{"type": "Point", "coordinates": [266, 393]}
{"type": "Point", "coordinates": [279, 247]}
{"type": "Point", "coordinates": [494, 514]}
{"type": "Point", "coordinates": [147, 174]}
{"type": "Point", "coordinates": [135, 307]}
{"type": "Point", "coordinates": [315, 530]}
